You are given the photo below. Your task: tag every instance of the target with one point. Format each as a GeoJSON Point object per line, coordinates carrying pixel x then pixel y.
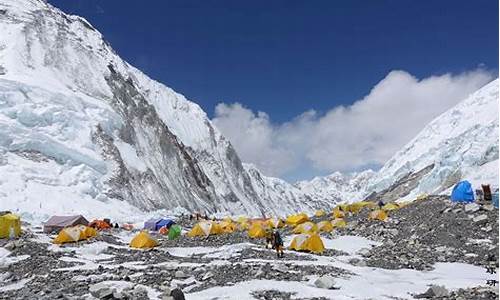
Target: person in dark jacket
{"type": "Point", "coordinates": [278, 244]}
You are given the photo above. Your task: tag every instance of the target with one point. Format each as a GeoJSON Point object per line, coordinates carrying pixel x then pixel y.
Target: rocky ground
{"type": "Point", "coordinates": [415, 237]}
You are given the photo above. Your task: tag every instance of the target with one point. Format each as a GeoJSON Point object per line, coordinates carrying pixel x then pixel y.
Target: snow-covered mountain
{"type": "Point", "coordinates": [337, 186]}
{"type": "Point", "coordinates": [82, 131]}
{"type": "Point", "coordinates": [461, 143]}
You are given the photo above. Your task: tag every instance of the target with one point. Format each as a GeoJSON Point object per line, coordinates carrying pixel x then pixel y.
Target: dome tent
{"type": "Point", "coordinates": [462, 192]}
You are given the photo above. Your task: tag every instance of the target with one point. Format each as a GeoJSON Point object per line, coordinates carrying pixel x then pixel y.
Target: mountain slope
{"type": "Point", "coordinates": [72, 108]}
{"type": "Point", "coordinates": [461, 143]}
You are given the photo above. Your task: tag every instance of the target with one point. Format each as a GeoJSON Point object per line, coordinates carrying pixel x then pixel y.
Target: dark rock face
{"type": "Point", "coordinates": [175, 175]}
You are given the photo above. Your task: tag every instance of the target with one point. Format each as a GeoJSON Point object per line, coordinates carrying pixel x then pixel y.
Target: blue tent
{"type": "Point", "coordinates": [155, 224]}
{"type": "Point", "coordinates": [462, 192]}
{"type": "Point", "coordinates": [164, 222]}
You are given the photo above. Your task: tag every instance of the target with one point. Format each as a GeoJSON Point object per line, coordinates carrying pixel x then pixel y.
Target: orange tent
{"type": "Point", "coordinates": [99, 225]}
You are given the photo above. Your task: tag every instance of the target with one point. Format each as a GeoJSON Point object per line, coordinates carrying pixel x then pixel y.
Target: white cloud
{"type": "Point", "coordinates": [346, 138]}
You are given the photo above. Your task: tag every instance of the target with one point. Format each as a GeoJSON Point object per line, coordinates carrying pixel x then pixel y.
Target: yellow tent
{"type": "Point", "coordinates": [227, 219]}
{"type": "Point", "coordinates": [339, 223]}
{"type": "Point", "coordinates": [257, 230]}
{"type": "Point", "coordinates": [325, 226]}
{"type": "Point", "coordinates": [319, 213]}
{"type": "Point", "coordinates": [297, 219]}
{"type": "Point", "coordinates": [276, 223]}
{"type": "Point", "coordinates": [357, 206]}
{"type": "Point", "coordinates": [422, 196]}
{"type": "Point", "coordinates": [205, 228]}
{"type": "Point", "coordinates": [307, 227]}
{"type": "Point", "coordinates": [74, 234]}
{"type": "Point", "coordinates": [338, 213]}
{"type": "Point", "coordinates": [242, 219]}
{"type": "Point", "coordinates": [10, 226]}
{"type": "Point", "coordinates": [227, 227]}
{"type": "Point", "coordinates": [378, 215]}
{"type": "Point", "coordinates": [307, 242]}
{"type": "Point", "coordinates": [243, 226]}
{"type": "Point", "coordinates": [143, 240]}
{"type": "Point", "coordinates": [390, 206]}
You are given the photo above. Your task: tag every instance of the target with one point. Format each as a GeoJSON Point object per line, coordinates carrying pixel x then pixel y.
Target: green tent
{"type": "Point", "coordinates": [174, 232]}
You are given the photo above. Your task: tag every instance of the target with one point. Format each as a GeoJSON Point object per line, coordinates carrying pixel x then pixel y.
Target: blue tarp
{"type": "Point", "coordinates": [494, 199]}
{"type": "Point", "coordinates": [462, 192]}
{"type": "Point", "coordinates": [164, 222]}
{"type": "Point", "coordinates": [156, 224]}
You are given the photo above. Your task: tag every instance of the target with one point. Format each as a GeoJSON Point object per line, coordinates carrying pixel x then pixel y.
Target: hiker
{"type": "Point", "coordinates": [380, 204]}
{"type": "Point", "coordinates": [269, 239]}
{"type": "Point", "coordinates": [117, 226]}
{"type": "Point", "coordinates": [278, 244]}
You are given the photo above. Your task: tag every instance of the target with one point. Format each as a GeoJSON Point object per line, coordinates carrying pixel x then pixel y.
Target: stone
{"type": "Point", "coordinates": [177, 294]}
{"type": "Point", "coordinates": [488, 207]}
{"type": "Point", "coordinates": [471, 207]}
{"type": "Point", "coordinates": [180, 274]}
{"type": "Point", "coordinates": [281, 268]}
{"type": "Point", "coordinates": [481, 219]}
{"type": "Point", "coordinates": [434, 291]}
{"type": "Point", "coordinates": [12, 245]}
{"type": "Point", "coordinates": [325, 282]}
{"type": "Point", "coordinates": [166, 290]}
{"type": "Point", "coordinates": [487, 228]}
{"type": "Point", "coordinates": [364, 251]}
{"type": "Point", "coordinates": [207, 276]}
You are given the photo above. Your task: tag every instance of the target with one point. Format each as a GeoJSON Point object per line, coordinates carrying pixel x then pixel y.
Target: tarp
{"type": "Point", "coordinates": [164, 223]}
{"type": "Point", "coordinates": [297, 219]}
{"type": "Point", "coordinates": [462, 192]}
{"type": "Point", "coordinates": [325, 226]}
{"type": "Point", "coordinates": [378, 215]}
{"type": "Point", "coordinates": [494, 199]}
{"type": "Point", "coordinates": [74, 234]}
{"type": "Point", "coordinates": [10, 226]}
{"type": "Point", "coordinates": [307, 227]}
{"type": "Point", "coordinates": [205, 228]}
{"type": "Point", "coordinates": [57, 223]}
{"type": "Point", "coordinates": [99, 225]}
{"type": "Point", "coordinates": [143, 241]}
{"type": "Point", "coordinates": [307, 242]}
{"type": "Point", "coordinates": [174, 232]}
{"type": "Point", "coordinates": [257, 230]}
{"type": "Point", "coordinates": [155, 224]}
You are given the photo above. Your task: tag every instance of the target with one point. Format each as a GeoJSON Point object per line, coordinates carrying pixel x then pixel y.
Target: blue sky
{"type": "Point", "coordinates": [286, 58]}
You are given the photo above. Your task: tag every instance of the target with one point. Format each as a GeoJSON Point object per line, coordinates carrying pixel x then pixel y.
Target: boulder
{"type": "Point", "coordinates": [434, 291]}
{"type": "Point", "coordinates": [207, 276]}
{"type": "Point", "coordinates": [471, 208]}
{"type": "Point", "coordinates": [101, 291]}
{"type": "Point", "coordinates": [325, 282]}
{"type": "Point", "coordinates": [180, 274]}
{"type": "Point", "coordinates": [481, 219]}
{"type": "Point", "coordinates": [281, 268]}
{"type": "Point", "coordinates": [177, 294]}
